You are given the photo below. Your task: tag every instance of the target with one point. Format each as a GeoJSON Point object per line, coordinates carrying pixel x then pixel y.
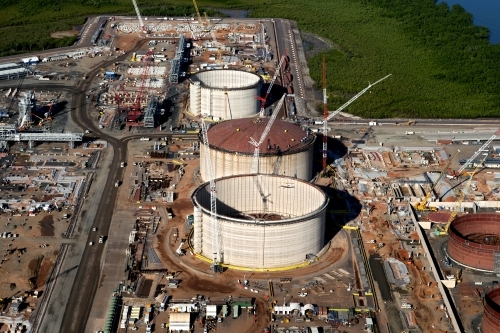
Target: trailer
{"type": "Point", "coordinates": [236, 311]}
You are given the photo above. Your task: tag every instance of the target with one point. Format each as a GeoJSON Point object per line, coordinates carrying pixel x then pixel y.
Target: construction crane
{"type": "Point", "coordinates": [264, 99]}
{"type": "Point", "coordinates": [202, 22]}
{"type": "Point", "coordinates": [145, 72]}
{"type": "Point", "coordinates": [461, 198]}
{"type": "Point", "coordinates": [336, 112]}
{"type": "Point", "coordinates": [217, 243]}
{"type": "Point", "coordinates": [422, 205]}
{"type": "Point", "coordinates": [141, 22]}
{"type": "Point", "coordinates": [483, 147]}
{"type": "Point", "coordinates": [255, 160]}
{"type": "Point", "coordinates": [325, 114]}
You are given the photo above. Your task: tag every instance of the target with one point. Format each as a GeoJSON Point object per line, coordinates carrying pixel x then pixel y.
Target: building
{"type": "Point", "coordinates": [287, 150]}
{"type": "Point", "coordinates": [263, 222]}
{"type": "Point", "coordinates": [11, 71]}
{"type": "Point", "coordinates": [225, 93]}
{"type": "Point", "coordinates": [180, 322]}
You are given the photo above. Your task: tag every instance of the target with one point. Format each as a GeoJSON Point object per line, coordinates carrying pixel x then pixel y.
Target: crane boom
{"type": "Point", "coordinates": [263, 104]}
{"type": "Point", "coordinates": [255, 160]}
{"type": "Point", "coordinates": [216, 244]}
{"type": "Point", "coordinates": [422, 205]}
{"type": "Point", "coordinates": [141, 22]}
{"type": "Point", "coordinates": [462, 168]}
{"type": "Point", "coordinates": [461, 198]}
{"type": "Point", "coordinates": [333, 114]}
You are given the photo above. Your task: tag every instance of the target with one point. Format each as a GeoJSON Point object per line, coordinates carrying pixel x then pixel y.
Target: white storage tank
{"type": "Point", "coordinates": [265, 221]}
{"type": "Point", "coordinates": [225, 93]}
{"type": "Point", "coordinates": [287, 150]}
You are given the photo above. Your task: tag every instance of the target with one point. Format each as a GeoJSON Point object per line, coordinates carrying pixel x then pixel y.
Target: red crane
{"type": "Point", "coordinates": [135, 111]}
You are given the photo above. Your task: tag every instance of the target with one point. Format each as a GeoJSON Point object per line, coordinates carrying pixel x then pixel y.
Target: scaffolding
{"type": "Point", "coordinates": [149, 115]}
{"type": "Point", "coordinates": [176, 62]}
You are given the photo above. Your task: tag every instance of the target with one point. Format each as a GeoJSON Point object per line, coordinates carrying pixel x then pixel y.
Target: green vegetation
{"type": "Point", "coordinates": [442, 65]}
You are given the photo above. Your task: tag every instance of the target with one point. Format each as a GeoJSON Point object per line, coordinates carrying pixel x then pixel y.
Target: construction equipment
{"type": "Point", "coordinates": [264, 99]}
{"type": "Point", "coordinates": [255, 160]}
{"type": "Point", "coordinates": [461, 198]}
{"type": "Point", "coordinates": [336, 112]}
{"type": "Point", "coordinates": [482, 149]}
{"type": "Point", "coordinates": [458, 276]}
{"type": "Point", "coordinates": [141, 22]}
{"type": "Point", "coordinates": [135, 113]}
{"type": "Point", "coordinates": [202, 22]}
{"type": "Point", "coordinates": [410, 122]}
{"type": "Point", "coordinates": [422, 205]}
{"type": "Point", "coordinates": [217, 244]}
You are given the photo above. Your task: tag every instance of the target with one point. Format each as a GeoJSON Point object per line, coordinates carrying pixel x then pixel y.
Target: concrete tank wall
{"type": "Point", "coordinates": [225, 164]}
{"type": "Point", "coordinates": [469, 253]}
{"type": "Point", "coordinates": [225, 94]}
{"type": "Point", "coordinates": [491, 318]}
{"type": "Point", "coordinates": [259, 243]}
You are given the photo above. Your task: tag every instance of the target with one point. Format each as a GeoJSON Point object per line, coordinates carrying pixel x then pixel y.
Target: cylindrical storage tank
{"type": "Point", "coordinates": [263, 221]}
{"type": "Point", "coordinates": [474, 241]}
{"type": "Point", "coordinates": [225, 93]}
{"type": "Point", "coordinates": [491, 317]}
{"type": "Point", "coordinates": [286, 151]}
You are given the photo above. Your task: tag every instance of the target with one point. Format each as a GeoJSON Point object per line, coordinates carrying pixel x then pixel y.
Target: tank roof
{"type": "Point", "coordinates": [234, 136]}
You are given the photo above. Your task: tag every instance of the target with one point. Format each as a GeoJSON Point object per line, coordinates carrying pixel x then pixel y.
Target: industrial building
{"type": "Point", "coordinates": [491, 317]}
{"type": "Point", "coordinates": [11, 71]}
{"type": "Point", "coordinates": [287, 150]}
{"type": "Point", "coordinates": [263, 221]}
{"type": "Point", "coordinates": [474, 241]}
{"type": "Point", "coordinates": [225, 94]}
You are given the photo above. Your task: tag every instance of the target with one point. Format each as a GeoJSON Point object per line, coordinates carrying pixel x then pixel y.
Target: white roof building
{"type": "Point", "coordinates": [180, 322]}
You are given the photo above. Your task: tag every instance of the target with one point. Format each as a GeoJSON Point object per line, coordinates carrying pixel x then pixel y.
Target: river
{"type": "Point", "coordinates": [486, 13]}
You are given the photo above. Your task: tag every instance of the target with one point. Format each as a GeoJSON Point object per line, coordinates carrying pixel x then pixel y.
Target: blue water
{"type": "Point", "coordinates": [486, 13]}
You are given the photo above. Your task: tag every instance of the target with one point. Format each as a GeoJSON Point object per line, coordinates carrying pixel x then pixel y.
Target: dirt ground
{"type": "Point", "coordinates": [62, 34]}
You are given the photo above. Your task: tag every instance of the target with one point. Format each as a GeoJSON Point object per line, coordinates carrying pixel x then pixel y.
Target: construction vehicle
{"type": "Point", "coordinates": [202, 22]}
{"type": "Point", "coordinates": [257, 144]}
{"type": "Point", "coordinates": [423, 204]}
{"type": "Point", "coordinates": [458, 275]}
{"type": "Point", "coordinates": [461, 197]}
{"type": "Point", "coordinates": [410, 122]}
{"type": "Point", "coordinates": [217, 248]}
{"type": "Point", "coordinates": [327, 116]}
{"type": "Point", "coordinates": [264, 99]}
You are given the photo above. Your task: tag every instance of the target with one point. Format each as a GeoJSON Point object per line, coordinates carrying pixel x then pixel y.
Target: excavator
{"type": "Point", "coordinates": [423, 204]}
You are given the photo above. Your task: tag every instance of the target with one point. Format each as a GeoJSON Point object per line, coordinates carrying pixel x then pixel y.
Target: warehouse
{"type": "Point", "coordinates": [180, 322]}
{"type": "Point", "coordinates": [286, 151]}
{"type": "Point", "coordinates": [224, 93]}
{"type": "Point", "coordinates": [263, 221]}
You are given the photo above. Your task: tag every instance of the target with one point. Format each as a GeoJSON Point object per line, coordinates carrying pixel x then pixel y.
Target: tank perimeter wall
{"type": "Point", "coordinates": [469, 253]}
{"type": "Point", "coordinates": [225, 94]}
{"type": "Point", "coordinates": [225, 164]}
{"type": "Point", "coordinates": [261, 244]}
{"type": "Point", "coordinates": [491, 318]}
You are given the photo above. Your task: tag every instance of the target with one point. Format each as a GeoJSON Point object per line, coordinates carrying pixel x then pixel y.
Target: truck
{"type": "Point", "coordinates": [372, 123]}
{"type": "Point", "coordinates": [236, 311]}
{"type": "Point", "coordinates": [163, 303]}
{"type": "Point", "coordinates": [170, 213]}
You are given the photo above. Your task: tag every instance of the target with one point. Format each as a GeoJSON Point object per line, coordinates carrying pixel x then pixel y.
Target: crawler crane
{"type": "Point", "coordinates": [327, 116]}
{"type": "Point", "coordinates": [423, 204]}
